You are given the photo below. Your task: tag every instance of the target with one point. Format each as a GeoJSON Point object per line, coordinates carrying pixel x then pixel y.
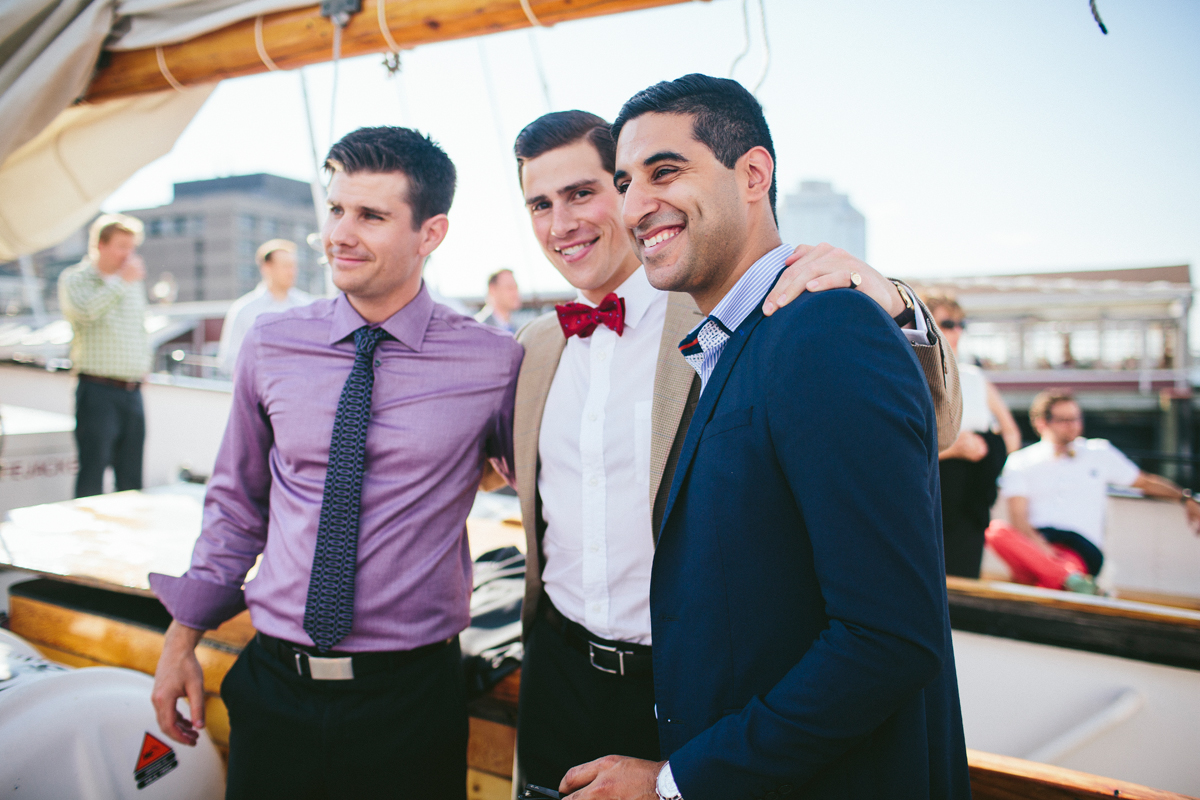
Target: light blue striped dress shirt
{"type": "Point", "coordinates": [735, 306]}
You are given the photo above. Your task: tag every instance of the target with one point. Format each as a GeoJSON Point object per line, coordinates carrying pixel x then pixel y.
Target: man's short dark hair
{"type": "Point", "coordinates": [495, 276]}
{"type": "Point", "coordinates": [431, 175]}
{"type": "Point", "coordinates": [726, 117]}
{"type": "Point", "coordinates": [561, 128]}
{"type": "Point", "coordinates": [1044, 402]}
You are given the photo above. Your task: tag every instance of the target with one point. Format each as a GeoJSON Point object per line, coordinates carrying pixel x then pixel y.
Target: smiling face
{"type": "Point", "coordinates": [685, 209]}
{"type": "Point", "coordinates": [374, 251]}
{"type": "Point", "coordinates": [576, 215]}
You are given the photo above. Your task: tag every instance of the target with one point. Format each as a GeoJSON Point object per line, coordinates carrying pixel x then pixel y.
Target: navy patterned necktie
{"type": "Point", "coordinates": [329, 611]}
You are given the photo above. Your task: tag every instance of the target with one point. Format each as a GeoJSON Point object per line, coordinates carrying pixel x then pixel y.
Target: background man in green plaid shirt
{"type": "Point", "coordinates": [104, 299]}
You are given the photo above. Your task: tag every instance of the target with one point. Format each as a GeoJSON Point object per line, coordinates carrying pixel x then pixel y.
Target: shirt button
{"type": "Point", "coordinates": [592, 417]}
{"type": "Point", "coordinates": [595, 548]}
{"type": "Point", "coordinates": [601, 356]}
{"type": "Point", "coordinates": [596, 607]}
{"type": "Point", "coordinates": [378, 363]}
{"type": "Point", "coordinates": [594, 482]}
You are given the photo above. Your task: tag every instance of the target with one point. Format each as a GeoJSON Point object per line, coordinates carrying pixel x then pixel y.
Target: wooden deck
{"type": "Point", "coordinates": [81, 627]}
{"type": "Point", "coordinates": [94, 608]}
{"type": "Point", "coordinates": [84, 626]}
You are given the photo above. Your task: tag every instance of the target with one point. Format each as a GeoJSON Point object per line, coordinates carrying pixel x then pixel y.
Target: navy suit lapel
{"type": "Point", "coordinates": [708, 401]}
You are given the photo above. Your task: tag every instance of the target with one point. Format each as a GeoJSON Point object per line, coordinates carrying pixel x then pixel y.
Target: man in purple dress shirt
{"type": "Point", "coordinates": [383, 713]}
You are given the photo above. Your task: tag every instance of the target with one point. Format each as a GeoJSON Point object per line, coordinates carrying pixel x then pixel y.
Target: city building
{"type": "Point", "coordinates": [201, 245]}
{"type": "Point", "coordinates": [815, 213]}
{"type": "Point", "coordinates": [199, 254]}
{"type": "Point", "coordinates": [198, 247]}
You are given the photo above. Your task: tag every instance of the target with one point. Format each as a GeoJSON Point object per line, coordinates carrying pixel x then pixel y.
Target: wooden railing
{"type": "Point", "coordinates": [996, 777]}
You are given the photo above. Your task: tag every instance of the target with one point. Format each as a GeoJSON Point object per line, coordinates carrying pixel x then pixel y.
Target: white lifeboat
{"type": "Point", "coordinates": [91, 733]}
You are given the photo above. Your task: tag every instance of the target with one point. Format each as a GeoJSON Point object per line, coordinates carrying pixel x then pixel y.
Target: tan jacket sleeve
{"type": "Point", "coordinates": [941, 372]}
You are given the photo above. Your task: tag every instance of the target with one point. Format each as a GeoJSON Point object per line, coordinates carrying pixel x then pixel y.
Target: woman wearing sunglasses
{"type": "Point", "coordinates": [969, 467]}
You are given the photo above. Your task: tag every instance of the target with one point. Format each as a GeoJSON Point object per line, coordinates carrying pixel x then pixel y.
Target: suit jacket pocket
{"type": "Point", "coordinates": [728, 421]}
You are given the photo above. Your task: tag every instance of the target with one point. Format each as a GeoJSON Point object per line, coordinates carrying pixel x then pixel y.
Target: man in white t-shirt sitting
{"type": "Point", "coordinates": [1056, 492]}
{"type": "Point", "coordinates": [276, 261]}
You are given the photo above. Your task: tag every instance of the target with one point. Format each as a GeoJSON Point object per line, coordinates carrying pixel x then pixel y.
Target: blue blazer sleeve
{"type": "Point", "coordinates": [852, 427]}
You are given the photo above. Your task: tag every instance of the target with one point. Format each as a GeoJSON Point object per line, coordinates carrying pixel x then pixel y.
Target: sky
{"type": "Point", "coordinates": [976, 138]}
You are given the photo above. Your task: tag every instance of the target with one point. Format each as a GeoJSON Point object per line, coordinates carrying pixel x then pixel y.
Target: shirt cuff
{"type": "Point", "coordinates": [919, 334]}
{"type": "Point", "coordinates": [665, 786]}
{"type": "Point", "coordinates": [197, 604]}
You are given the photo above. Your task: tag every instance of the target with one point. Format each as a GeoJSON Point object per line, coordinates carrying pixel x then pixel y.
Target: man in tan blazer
{"type": "Point", "coordinates": [600, 417]}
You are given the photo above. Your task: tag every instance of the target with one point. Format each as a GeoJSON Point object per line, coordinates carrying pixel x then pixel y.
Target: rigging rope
{"type": "Point", "coordinates": [1096, 16]}
{"type": "Point", "coordinates": [762, 12]}
{"type": "Point", "coordinates": [258, 44]}
{"type": "Point", "coordinates": [338, 24]}
{"type": "Point", "coordinates": [381, 9]}
{"type": "Point", "coordinates": [533, 20]}
{"type": "Point", "coordinates": [746, 49]}
{"type": "Point", "coordinates": [166, 73]}
{"type": "Point", "coordinates": [536, 52]}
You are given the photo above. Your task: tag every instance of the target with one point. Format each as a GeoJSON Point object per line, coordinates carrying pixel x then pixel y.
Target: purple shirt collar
{"type": "Point", "coordinates": [408, 325]}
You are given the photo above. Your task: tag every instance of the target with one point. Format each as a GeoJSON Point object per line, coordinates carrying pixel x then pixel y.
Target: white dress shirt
{"type": "Point", "coordinates": [1068, 492]}
{"type": "Point", "coordinates": [241, 316]}
{"type": "Point", "coordinates": [594, 479]}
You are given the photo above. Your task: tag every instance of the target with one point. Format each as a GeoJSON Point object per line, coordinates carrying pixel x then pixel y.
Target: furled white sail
{"type": "Point", "coordinates": [58, 161]}
{"type": "Point", "coordinates": [155, 22]}
{"type": "Point", "coordinates": [55, 183]}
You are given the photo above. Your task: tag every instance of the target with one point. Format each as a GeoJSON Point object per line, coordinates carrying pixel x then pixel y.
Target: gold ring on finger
{"type": "Point", "coordinates": [855, 280]}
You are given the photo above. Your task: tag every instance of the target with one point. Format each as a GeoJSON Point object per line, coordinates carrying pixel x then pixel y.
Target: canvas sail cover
{"type": "Point", "coordinates": [55, 183]}
{"type": "Point", "coordinates": [59, 161]}
{"type": "Point", "coordinates": [49, 50]}
{"type": "Point", "coordinates": [149, 23]}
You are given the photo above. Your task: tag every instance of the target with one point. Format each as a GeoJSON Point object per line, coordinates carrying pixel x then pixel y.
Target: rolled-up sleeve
{"type": "Point", "coordinates": [234, 531]}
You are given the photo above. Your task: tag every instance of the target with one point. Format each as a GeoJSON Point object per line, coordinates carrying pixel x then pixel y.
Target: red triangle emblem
{"type": "Point", "coordinates": [152, 750]}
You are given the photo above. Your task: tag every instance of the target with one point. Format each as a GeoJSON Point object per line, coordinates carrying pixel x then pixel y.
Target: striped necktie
{"type": "Point", "coordinates": [329, 611]}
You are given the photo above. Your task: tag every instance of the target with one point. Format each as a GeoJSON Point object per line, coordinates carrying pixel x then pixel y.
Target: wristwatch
{"type": "Point", "coordinates": [909, 314]}
{"type": "Point", "coordinates": [1185, 495]}
{"type": "Point", "coordinates": [665, 786]}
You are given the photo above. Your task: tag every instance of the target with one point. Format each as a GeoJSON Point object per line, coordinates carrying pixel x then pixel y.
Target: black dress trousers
{"type": "Point", "coordinates": [968, 493]}
{"type": "Point", "coordinates": [400, 734]}
{"type": "Point", "coordinates": [571, 713]}
{"type": "Point", "coordinates": [110, 430]}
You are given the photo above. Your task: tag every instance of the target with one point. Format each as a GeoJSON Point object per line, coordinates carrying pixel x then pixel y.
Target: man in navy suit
{"type": "Point", "coordinates": [798, 601]}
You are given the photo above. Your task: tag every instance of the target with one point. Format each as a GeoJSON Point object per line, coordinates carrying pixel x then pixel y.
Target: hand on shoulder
{"type": "Point", "coordinates": [824, 267]}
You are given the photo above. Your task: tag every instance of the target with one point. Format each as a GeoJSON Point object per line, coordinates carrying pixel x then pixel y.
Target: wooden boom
{"type": "Point", "coordinates": [302, 36]}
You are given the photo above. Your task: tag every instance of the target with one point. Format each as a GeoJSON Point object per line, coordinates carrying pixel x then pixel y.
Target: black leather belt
{"type": "Point", "coordinates": [615, 658]}
{"type": "Point", "coordinates": [305, 660]}
{"type": "Point", "coordinates": [129, 386]}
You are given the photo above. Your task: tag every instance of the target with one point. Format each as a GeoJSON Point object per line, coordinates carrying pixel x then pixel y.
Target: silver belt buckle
{"type": "Point", "coordinates": [326, 669]}
{"type": "Point", "coordinates": [593, 647]}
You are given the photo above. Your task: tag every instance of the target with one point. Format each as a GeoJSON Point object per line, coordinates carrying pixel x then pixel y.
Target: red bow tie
{"type": "Point", "coordinates": [582, 319]}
